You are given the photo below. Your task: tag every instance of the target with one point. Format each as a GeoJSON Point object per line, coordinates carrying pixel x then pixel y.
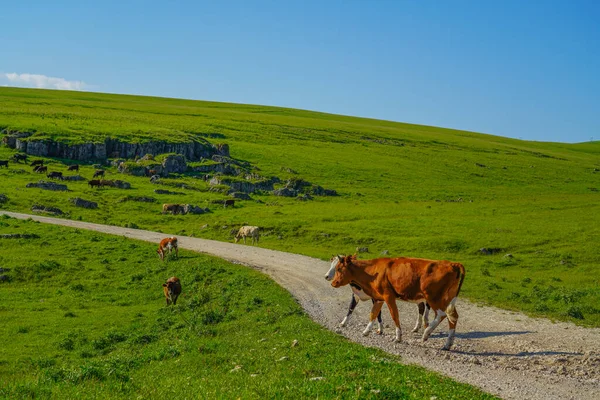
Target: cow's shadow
{"type": "Point", "coordinates": [483, 335]}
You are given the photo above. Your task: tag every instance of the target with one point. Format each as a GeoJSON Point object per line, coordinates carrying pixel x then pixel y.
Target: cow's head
{"type": "Point", "coordinates": [331, 272]}
{"type": "Point", "coordinates": [342, 275]}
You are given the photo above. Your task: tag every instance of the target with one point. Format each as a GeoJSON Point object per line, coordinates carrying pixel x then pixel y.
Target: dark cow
{"type": "Point", "coordinates": [37, 162]}
{"type": "Point", "coordinates": [94, 182]}
{"type": "Point", "coordinates": [55, 175]}
{"type": "Point", "coordinates": [167, 245]}
{"type": "Point", "coordinates": [172, 290]}
{"type": "Point", "coordinates": [20, 157]}
{"type": "Point", "coordinates": [4, 163]}
{"type": "Point", "coordinates": [410, 279]}
{"type": "Point", "coordinates": [228, 203]}
{"type": "Point", "coordinates": [74, 167]}
{"type": "Point", "coordinates": [172, 208]}
{"type": "Point", "coordinates": [99, 172]}
{"type": "Point", "coordinates": [40, 169]}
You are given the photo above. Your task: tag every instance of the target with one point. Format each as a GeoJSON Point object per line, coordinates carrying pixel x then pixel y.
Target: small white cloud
{"type": "Point", "coordinates": [43, 82]}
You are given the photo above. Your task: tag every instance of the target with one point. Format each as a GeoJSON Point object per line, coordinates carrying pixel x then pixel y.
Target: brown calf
{"type": "Point", "coordinates": [167, 245]}
{"type": "Point", "coordinates": [94, 182]}
{"type": "Point", "coordinates": [55, 174]}
{"type": "Point", "coordinates": [40, 169]}
{"type": "Point", "coordinates": [410, 279]}
{"type": "Point", "coordinates": [172, 289]}
{"type": "Point", "coordinates": [99, 172]}
{"type": "Point", "coordinates": [74, 167]}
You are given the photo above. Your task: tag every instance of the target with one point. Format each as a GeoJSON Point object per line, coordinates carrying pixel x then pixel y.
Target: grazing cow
{"type": "Point", "coordinates": [20, 157]}
{"type": "Point", "coordinates": [359, 294]}
{"type": "Point", "coordinates": [99, 172]}
{"type": "Point", "coordinates": [4, 163]}
{"type": "Point", "coordinates": [167, 245]}
{"type": "Point", "coordinates": [55, 174]}
{"type": "Point", "coordinates": [246, 231]}
{"type": "Point", "coordinates": [172, 208]}
{"type": "Point", "coordinates": [409, 279]}
{"type": "Point", "coordinates": [36, 162]}
{"type": "Point", "coordinates": [74, 167]}
{"type": "Point", "coordinates": [172, 290]}
{"type": "Point", "coordinates": [40, 169]}
{"type": "Point", "coordinates": [228, 203]}
{"type": "Point", "coordinates": [94, 182]}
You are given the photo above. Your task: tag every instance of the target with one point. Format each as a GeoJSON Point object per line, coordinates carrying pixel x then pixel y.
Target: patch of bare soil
{"type": "Point", "coordinates": [504, 353]}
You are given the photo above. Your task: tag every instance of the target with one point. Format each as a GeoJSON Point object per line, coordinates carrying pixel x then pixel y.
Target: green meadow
{"type": "Point", "coordinates": [84, 316]}
{"type": "Point", "coordinates": [406, 189]}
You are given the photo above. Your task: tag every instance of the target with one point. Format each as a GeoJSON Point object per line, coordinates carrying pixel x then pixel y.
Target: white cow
{"type": "Point", "coordinates": [246, 231]}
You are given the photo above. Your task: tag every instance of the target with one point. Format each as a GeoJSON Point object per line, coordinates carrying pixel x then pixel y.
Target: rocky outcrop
{"type": "Point", "coordinates": [83, 203]}
{"type": "Point", "coordinates": [47, 186]}
{"type": "Point", "coordinates": [73, 178]}
{"type": "Point", "coordinates": [174, 163]}
{"type": "Point", "coordinates": [194, 150]}
{"type": "Point", "coordinates": [3, 198]}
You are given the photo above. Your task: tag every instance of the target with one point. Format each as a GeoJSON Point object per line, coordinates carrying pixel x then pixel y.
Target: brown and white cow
{"type": "Point", "coordinates": [167, 245]}
{"type": "Point", "coordinates": [359, 295]}
{"type": "Point", "coordinates": [245, 231]}
{"type": "Point", "coordinates": [172, 289]}
{"type": "Point", "coordinates": [410, 279]}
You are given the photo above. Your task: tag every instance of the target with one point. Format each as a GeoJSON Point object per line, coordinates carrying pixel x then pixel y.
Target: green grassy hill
{"type": "Point", "coordinates": [408, 189]}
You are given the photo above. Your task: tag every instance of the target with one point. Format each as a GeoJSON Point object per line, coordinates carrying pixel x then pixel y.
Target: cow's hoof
{"type": "Point", "coordinates": [415, 330]}
{"type": "Point", "coordinates": [365, 333]}
{"type": "Point", "coordinates": [397, 340]}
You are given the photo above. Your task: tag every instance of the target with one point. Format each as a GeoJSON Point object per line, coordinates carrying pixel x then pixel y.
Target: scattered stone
{"type": "Point", "coordinates": [192, 209]}
{"type": "Point", "coordinates": [317, 378]}
{"type": "Point", "coordinates": [44, 209]}
{"type": "Point", "coordinates": [284, 358]}
{"type": "Point", "coordinates": [4, 278]}
{"type": "Point", "coordinates": [385, 253]}
{"type": "Point", "coordinates": [508, 255]}
{"type": "Point", "coordinates": [294, 343]}
{"type": "Point", "coordinates": [304, 197]}
{"type": "Point", "coordinates": [163, 191]}
{"type": "Point", "coordinates": [362, 249]}
{"type": "Point", "coordinates": [174, 163]}
{"type": "Point", "coordinates": [122, 184]}
{"type": "Point", "coordinates": [142, 199]}
{"type": "Point", "coordinates": [83, 203]}
{"type": "Point", "coordinates": [3, 198]}
{"type": "Point", "coordinates": [18, 236]}
{"type": "Point", "coordinates": [48, 186]}
{"type": "Point", "coordinates": [236, 368]}
{"type": "Point", "coordinates": [73, 178]}
{"type": "Point", "coordinates": [240, 196]}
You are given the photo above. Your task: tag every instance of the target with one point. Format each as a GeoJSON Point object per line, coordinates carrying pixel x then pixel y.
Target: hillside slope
{"type": "Point", "coordinates": [403, 189]}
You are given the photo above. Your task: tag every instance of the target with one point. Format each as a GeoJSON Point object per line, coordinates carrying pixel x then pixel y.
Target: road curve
{"type": "Point", "coordinates": [504, 353]}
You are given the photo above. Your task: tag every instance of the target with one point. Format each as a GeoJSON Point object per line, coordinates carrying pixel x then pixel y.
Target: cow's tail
{"type": "Point", "coordinates": [451, 309]}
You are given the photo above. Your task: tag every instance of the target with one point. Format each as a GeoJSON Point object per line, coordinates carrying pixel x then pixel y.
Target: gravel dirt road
{"type": "Point", "coordinates": [504, 353]}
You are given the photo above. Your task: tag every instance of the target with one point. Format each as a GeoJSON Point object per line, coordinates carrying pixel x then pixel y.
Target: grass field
{"type": "Point", "coordinates": [411, 190]}
{"type": "Point", "coordinates": [84, 316]}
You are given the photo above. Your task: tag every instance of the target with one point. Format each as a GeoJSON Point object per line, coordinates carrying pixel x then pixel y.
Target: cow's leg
{"type": "Point", "coordinates": [176, 251]}
{"type": "Point", "coordinates": [419, 317]}
{"type": "Point", "coordinates": [439, 317]}
{"type": "Point", "coordinates": [391, 303]}
{"type": "Point", "coordinates": [351, 308]}
{"type": "Point", "coordinates": [379, 321]}
{"type": "Point", "coordinates": [452, 320]}
{"type": "Point", "coordinates": [374, 311]}
{"type": "Point", "coordinates": [426, 316]}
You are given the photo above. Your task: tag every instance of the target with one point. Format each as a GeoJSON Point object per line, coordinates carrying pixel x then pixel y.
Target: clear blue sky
{"type": "Point", "coordinates": [522, 69]}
